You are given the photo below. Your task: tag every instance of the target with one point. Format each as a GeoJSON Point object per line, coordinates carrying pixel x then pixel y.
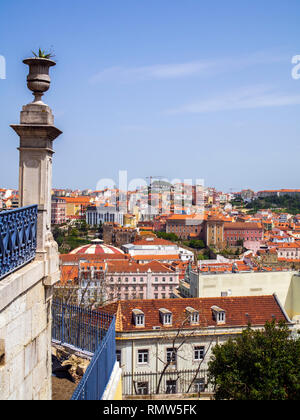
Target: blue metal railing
{"type": "Point", "coordinates": [81, 328]}
{"type": "Point", "coordinates": [98, 373]}
{"type": "Point", "coordinates": [18, 229]}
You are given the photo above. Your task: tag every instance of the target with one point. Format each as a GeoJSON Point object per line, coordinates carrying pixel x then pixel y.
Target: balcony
{"type": "Point", "coordinates": [18, 228]}
{"type": "Point", "coordinates": [91, 333]}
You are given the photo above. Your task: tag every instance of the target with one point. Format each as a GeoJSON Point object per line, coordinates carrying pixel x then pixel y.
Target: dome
{"type": "Point", "coordinates": [97, 248]}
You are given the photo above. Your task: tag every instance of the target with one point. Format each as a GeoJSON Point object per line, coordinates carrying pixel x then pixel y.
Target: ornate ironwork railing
{"type": "Point", "coordinates": [18, 229]}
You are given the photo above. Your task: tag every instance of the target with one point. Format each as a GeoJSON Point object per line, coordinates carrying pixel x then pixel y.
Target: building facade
{"type": "Point", "coordinates": [161, 339]}
{"type": "Point", "coordinates": [58, 211]}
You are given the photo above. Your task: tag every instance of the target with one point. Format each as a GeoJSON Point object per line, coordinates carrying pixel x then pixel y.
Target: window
{"type": "Point", "coordinates": [156, 278]}
{"type": "Point", "coordinates": [155, 295]}
{"type": "Point", "coordinates": [172, 355]}
{"type": "Point", "coordinates": [118, 356]}
{"type": "Point", "coordinates": [126, 279]}
{"type": "Point", "coordinates": [221, 317]}
{"type": "Point", "coordinates": [163, 279]}
{"type": "Point", "coordinates": [142, 388]}
{"type": "Point", "coordinates": [171, 279]}
{"type": "Point", "coordinates": [199, 385]}
{"type": "Point", "coordinates": [141, 279]}
{"type": "Point", "coordinates": [171, 387]}
{"type": "Point", "coordinates": [195, 317]}
{"type": "Point", "coordinates": [218, 314]}
{"type": "Point", "coordinates": [143, 356]}
{"type": "Point", "coordinates": [199, 352]}
{"type": "Point", "coordinates": [134, 279]}
{"type": "Point", "coordinates": [166, 316]}
{"type": "Point", "coordinates": [139, 317]}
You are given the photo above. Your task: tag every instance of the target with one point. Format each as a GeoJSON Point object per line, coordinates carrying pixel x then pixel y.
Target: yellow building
{"type": "Point", "coordinates": [130, 220]}
{"type": "Point", "coordinates": [76, 206]}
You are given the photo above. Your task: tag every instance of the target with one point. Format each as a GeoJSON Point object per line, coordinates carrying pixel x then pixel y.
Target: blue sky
{"type": "Point", "coordinates": [182, 89]}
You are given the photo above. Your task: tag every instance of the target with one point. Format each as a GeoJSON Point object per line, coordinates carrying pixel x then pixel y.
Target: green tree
{"type": "Point", "coordinates": [196, 243]}
{"type": "Point", "coordinates": [168, 236]}
{"type": "Point", "coordinates": [257, 365]}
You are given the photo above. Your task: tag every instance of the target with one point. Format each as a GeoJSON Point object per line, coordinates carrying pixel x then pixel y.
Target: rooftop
{"type": "Point", "coordinates": [259, 309]}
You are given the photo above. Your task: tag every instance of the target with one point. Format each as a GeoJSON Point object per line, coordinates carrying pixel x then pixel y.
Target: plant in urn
{"type": "Point", "coordinates": [38, 79]}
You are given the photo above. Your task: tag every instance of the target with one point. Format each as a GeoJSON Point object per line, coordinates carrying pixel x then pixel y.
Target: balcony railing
{"type": "Point", "coordinates": [90, 332]}
{"type": "Point", "coordinates": [18, 229]}
{"type": "Point", "coordinates": [98, 374]}
{"type": "Point", "coordinates": [78, 327]}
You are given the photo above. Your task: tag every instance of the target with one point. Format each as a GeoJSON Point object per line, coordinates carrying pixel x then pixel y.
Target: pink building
{"type": "Point", "coordinates": [58, 211]}
{"type": "Point", "coordinates": [130, 280]}
{"type": "Point", "coordinates": [236, 232]}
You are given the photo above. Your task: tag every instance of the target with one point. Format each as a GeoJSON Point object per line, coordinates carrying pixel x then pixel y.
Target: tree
{"type": "Point", "coordinates": [196, 243]}
{"type": "Point", "coordinates": [258, 365]}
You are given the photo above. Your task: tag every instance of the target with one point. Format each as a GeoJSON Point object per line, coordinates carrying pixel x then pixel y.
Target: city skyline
{"type": "Point", "coordinates": [188, 91]}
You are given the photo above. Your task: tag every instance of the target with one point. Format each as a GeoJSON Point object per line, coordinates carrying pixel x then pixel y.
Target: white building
{"type": "Point", "coordinates": [101, 214]}
{"type": "Point", "coordinates": [159, 247]}
{"type": "Point", "coordinates": [157, 341]}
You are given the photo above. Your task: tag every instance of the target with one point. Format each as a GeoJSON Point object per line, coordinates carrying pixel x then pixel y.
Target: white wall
{"type": "Point", "coordinates": [285, 284]}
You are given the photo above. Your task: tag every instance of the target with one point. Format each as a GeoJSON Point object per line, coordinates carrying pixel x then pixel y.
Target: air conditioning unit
{"type": "Point", "coordinates": [156, 328]}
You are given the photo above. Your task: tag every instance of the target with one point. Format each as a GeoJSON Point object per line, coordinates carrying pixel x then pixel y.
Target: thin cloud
{"type": "Point", "coordinates": [180, 70]}
{"type": "Point", "coordinates": [246, 98]}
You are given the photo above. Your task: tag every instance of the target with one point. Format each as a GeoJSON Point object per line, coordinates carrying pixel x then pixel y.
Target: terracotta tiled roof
{"type": "Point", "coordinates": [133, 267]}
{"type": "Point", "coordinates": [240, 225]}
{"type": "Point", "coordinates": [259, 309]}
{"type": "Point", "coordinates": [77, 200]}
{"type": "Point", "coordinates": [68, 273]}
{"type": "Point", "coordinates": [64, 258]}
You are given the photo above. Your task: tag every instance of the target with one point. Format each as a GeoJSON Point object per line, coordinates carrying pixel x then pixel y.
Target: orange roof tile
{"type": "Point", "coordinates": [259, 309]}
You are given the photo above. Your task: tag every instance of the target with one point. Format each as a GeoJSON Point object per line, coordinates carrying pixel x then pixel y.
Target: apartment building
{"type": "Point", "coordinates": [158, 340]}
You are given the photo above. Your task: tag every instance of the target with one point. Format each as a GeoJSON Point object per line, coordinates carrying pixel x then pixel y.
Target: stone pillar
{"type": "Point", "coordinates": [37, 133]}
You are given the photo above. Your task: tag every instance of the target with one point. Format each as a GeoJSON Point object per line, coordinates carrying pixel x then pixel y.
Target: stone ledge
{"type": "Point", "coordinates": [17, 283]}
{"type": "Point", "coordinates": [112, 385]}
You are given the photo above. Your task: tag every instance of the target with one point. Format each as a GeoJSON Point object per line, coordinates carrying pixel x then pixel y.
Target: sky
{"type": "Point", "coordinates": [185, 89]}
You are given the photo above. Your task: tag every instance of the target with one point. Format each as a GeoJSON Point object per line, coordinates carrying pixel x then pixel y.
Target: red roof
{"type": "Point", "coordinates": [133, 267]}
{"type": "Point", "coordinates": [259, 309]}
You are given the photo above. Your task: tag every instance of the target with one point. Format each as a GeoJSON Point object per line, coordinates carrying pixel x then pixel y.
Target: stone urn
{"type": "Point", "coordinates": [38, 79]}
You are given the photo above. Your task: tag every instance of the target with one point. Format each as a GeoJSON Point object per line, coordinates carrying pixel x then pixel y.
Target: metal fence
{"type": "Point", "coordinates": [169, 382]}
{"type": "Point", "coordinates": [81, 328]}
{"type": "Point", "coordinates": [18, 229]}
{"type": "Point", "coordinates": [98, 373]}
